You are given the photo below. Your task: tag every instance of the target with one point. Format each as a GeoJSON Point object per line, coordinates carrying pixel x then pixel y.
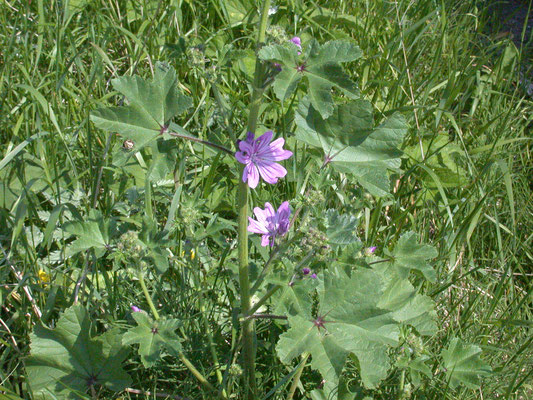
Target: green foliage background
{"type": "Point", "coordinates": [463, 184]}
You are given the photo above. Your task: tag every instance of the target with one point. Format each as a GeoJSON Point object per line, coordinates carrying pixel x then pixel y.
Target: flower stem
{"type": "Point", "coordinates": [206, 142]}
{"type": "Point", "coordinates": [148, 297]}
{"type": "Point", "coordinates": [263, 299]}
{"type": "Point", "coordinates": [242, 209]}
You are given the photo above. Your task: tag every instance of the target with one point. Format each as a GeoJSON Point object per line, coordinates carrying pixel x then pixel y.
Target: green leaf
{"type": "Point", "coordinates": [359, 316]}
{"type": "Point", "coordinates": [341, 229]}
{"type": "Point", "coordinates": [131, 122]}
{"type": "Point", "coordinates": [406, 305]}
{"type": "Point", "coordinates": [152, 337]}
{"type": "Point", "coordinates": [463, 364]}
{"type": "Point", "coordinates": [95, 233]}
{"type": "Point", "coordinates": [416, 367]}
{"type": "Point", "coordinates": [408, 254]}
{"type": "Point", "coordinates": [352, 144]}
{"type": "Point", "coordinates": [67, 359]}
{"type": "Point", "coordinates": [319, 64]}
{"type": "Point", "coordinates": [152, 104]}
{"type": "Point", "coordinates": [158, 97]}
{"type": "Point", "coordinates": [348, 321]}
{"type": "Point", "coordinates": [294, 298]}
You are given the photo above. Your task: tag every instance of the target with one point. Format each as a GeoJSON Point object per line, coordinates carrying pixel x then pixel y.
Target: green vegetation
{"type": "Point", "coordinates": [92, 223]}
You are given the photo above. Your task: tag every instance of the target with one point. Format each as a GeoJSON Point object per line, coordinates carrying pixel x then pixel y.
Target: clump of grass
{"type": "Point", "coordinates": [465, 183]}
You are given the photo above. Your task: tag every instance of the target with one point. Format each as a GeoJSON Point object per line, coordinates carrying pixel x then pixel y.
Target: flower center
{"type": "Point", "coordinates": [300, 67]}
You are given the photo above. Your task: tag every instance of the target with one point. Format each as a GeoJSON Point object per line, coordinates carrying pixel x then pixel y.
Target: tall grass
{"type": "Point", "coordinates": [465, 183]}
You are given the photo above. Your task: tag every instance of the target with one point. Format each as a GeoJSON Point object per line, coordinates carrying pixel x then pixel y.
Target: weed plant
{"type": "Point", "coordinates": [464, 187]}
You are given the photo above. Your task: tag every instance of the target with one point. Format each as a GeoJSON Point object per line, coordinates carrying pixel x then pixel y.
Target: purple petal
{"type": "Point", "coordinates": [265, 240]}
{"type": "Point", "coordinates": [277, 144]}
{"type": "Point", "coordinates": [279, 155]}
{"type": "Point", "coordinates": [271, 172]}
{"type": "Point", "coordinates": [135, 309]}
{"type": "Point", "coordinates": [244, 146]}
{"type": "Point", "coordinates": [306, 271]}
{"type": "Point", "coordinates": [250, 136]}
{"type": "Point", "coordinates": [252, 175]}
{"type": "Point", "coordinates": [261, 216]}
{"type": "Point", "coordinates": [269, 210]}
{"type": "Point", "coordinates": [241, 157]}
{"type": "Point", "coordinates": [267, 175]}
{"type": "Point", "coordinates": [257, 227]}
{"type": "Point", "coordinates": [284, 211]}
{"type": "Point", "coordinates": [314, 276]}
{"type": "Point", "coordinates": [370, 250]}
{"type": "Point", "coordinates": [297, 41]}
{"type": "Point", "coordinates": [264, 140]}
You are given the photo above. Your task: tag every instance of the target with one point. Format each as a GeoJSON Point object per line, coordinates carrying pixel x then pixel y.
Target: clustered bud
{"type": "Point", "coordinates": [277, 34]}
{"type": "Point", "coordinates": [317, 241]}
{"type": "Point", "coordinates": [189, 215]}
{"type": "Point", "coordinates": [196, 57]}
{"type": "Point", "coordinates": [129, 245]}
{"type": "Point", "coordinates": [314, 198]}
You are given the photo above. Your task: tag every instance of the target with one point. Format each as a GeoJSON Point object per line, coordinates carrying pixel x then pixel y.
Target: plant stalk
{"type": "Point", "coordinates": [148, 297]}
{"type": "Point", "coordinates": [242, 209]}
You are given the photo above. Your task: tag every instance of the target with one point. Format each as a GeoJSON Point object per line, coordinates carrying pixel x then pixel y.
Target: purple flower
{"type": "Point", "coordinates": [270, 223]}
{"type": "Point", "coordinates": [313, 276]}
{"type": "Point", "coordinates": [306, 271]}
{"type": "Point", "coordinates": [370, 250]}
{"type": "Point", "coordinates": [297, 41]}
{"type": "Point", "coordinates": [135, 309]}
{"type": "Point", "coordinates": [260, 156]}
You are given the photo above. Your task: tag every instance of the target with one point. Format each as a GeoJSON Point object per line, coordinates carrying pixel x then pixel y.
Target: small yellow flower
{"type": "Point", "coordinates": [192, 253]}
{"type": "Point", "coordinates": [44, 277]}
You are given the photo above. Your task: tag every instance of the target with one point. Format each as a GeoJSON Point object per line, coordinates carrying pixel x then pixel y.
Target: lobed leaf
{"type": "Point", "coordinates": [463, 364]}
{"type": "Point", "coordinates": [319, 65]}
{"type": "Point", "coordinates": [152, 337]}
{"type": "Point", "coordinates": [408, 254]}
{"type": "Point", "coordinates": [152, 105]}
{"type": "Point", "coordinates": [350, 142]}
{"type": "Point", "coordinates": [341, 229]}
{"type": "Point", "coordinates": [67, 360]}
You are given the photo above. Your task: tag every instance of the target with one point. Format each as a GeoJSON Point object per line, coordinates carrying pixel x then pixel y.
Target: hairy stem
{"type": "Point", "coordinates": [207, 143]}
{"type": "Point", "coordinates": [148, 297]}
{"type": "Point", "coordinates": [242, 209]}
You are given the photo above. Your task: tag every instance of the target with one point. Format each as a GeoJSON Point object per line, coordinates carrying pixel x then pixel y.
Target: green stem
{"type": "Point", "coordinates": [148, 297]}
{"type": "Point", "coordinates": [296, 379]}
{"type": "Point", "coordinates": [263, 299]}
{"type": "Point", "coordinates": [197, 140]}
{"type": "Point", "coordinates": [242, 209]}
{"type": "Point", "coordinates": [198, 375]}
{"type": "Point", "coordinates": [211, 342]}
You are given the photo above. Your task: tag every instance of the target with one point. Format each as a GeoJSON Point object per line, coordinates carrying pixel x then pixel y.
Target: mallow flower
{"type": "Point", "coordinates": [270, 223]}
{"type": "Point", "coordinates": [297, 41]}
{"type": "Point", "coordinates": [370, 250]}
{"type": "Point", "coordinates": [260, 156]}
